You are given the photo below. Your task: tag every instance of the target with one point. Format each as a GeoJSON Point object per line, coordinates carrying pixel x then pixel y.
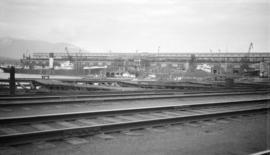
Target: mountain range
{"type": "Point", "coordinates": [14, 48]}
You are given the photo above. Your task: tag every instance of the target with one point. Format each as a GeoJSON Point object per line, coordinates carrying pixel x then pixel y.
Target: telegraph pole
{"type": "Point", "coordinates": [12, 81]}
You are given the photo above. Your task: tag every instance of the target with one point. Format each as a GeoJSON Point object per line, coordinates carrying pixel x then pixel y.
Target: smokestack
{"type": "Point", "coordinates": [51, 60]}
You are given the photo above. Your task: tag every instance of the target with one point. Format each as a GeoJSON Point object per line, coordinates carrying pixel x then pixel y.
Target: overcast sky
{"type": "Point", "coordinates": [143, 25]}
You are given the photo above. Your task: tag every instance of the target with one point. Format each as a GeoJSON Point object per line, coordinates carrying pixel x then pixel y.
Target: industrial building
{"type": "Point", "coordinates": [145, 64]}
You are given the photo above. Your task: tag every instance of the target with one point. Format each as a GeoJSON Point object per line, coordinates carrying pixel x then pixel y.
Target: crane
{"type": "Point", "coordinates": [249, 49]}
{"type": "Point", "coordinates": [69, 57]}
{"type": "Point", "coordinates": [245, 60]}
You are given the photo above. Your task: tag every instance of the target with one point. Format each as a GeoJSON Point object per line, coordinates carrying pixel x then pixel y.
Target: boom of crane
{"type": "Point", "coordinates": [244, 68]}
{"type": "Point", "coordinates": [249, 49]}
{"type": "Point", "coordinates": [246, 58]}
{"type": "Point", "coordinates": [69, 56]}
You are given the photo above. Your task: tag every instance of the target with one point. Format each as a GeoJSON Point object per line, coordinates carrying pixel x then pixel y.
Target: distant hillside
{"type": "Point", "coordinates": [15, 48]}
{"type": "Point", "coordinates": [6, 60]}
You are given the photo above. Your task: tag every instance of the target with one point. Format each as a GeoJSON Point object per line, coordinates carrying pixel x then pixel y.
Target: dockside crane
{"type": "Point", "coordinates": [69, 56]}
{"type": "Point", "coordinates": [249, 49]}
{"type": "Point", "coordinates": [74, 61]}
{"type": "Point", "coordinates": [244, 68]}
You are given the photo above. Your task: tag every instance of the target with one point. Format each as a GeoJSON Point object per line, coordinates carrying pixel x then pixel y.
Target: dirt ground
{"type": "Point", "coordinates": [232, 136]}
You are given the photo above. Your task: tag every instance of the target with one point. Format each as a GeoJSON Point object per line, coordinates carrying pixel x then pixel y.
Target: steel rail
{"type": "Point", "coordinates": [94, 129]}
{"type": "Point", "coordinates": [81, 96]}
{"type": "Point", "coordinates": [59, 116]}
{"type": "Point", "coordinates": [116, 94]}
{"type": "Point", "coordinates": [108, 99]}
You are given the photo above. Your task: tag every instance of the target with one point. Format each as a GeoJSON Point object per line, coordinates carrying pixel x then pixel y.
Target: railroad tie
{"type": "Point", "coordinates": [110, 119]}
{"type": "Point", "coordinates": [128, 118]}
{"type": "Point", "coordinates": [6, 130]}
{"type": "Point", "coordinates": [44, 145]}
{"type": "Point", "coordinates": [5, 109]}
{"type": "Point", "coordinates": [9, 151]}
{"type": "Point", "coordinates": [105, 136]}
{"type": "Point", "coordinates": [42, 127]}
{"type": "Point", "coordinates": [147, 116]}
{"type": "Point", "coordinates": [131, 133]}
{"type": "Point", "coordinates": [155, 130]}
{"type": "Point", "coordinates": [171, 113]}
{"type": "Point", "coordinates": [76, 140]}
{"type": "Point", "coordinates": [87, 121]}
{"type": "Point", "coordinates": [67, 124]}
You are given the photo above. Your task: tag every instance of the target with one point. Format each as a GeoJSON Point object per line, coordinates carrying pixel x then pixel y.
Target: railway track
{"type": "Point", "coordinates": [45, 100]}
{"type": "Point", "coordinates": [113, 94]}
{"type": "Point", "coordinates": [17, 130]}
{"type": "Point", "coordinates": [184, 90]}
{"type": "Point", "coordinates": [101, 94]}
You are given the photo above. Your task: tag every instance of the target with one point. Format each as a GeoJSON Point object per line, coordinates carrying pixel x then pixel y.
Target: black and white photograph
{"type": "Point", "coordinates": [134, 77]}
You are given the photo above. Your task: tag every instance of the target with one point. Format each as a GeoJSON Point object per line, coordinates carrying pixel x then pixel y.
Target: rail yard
{"type": "Point", "coordinates": [116, 116]}
{"type": "Point", "coordinates": [134, 77]}
{"type": "Point", "coordinates": [120, 103]}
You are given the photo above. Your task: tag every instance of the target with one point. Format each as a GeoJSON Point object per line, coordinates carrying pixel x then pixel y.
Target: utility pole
{"type": "Point", "coordinates": [12, 85]}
